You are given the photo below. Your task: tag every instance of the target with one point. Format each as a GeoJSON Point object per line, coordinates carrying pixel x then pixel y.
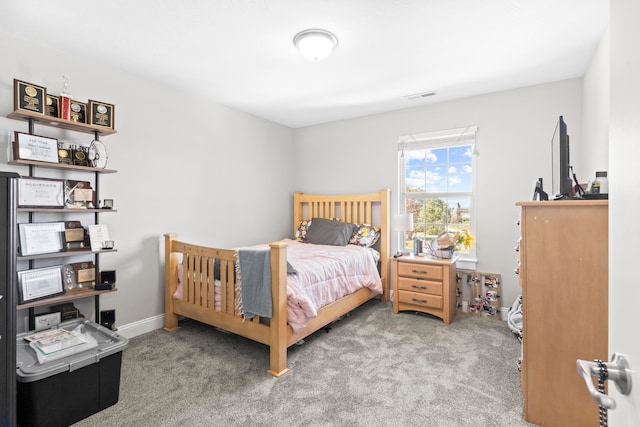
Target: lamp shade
{"type": "Point", "coordinates": [403, 222]}
{"type": "Point", "coordinates": [314, 44]}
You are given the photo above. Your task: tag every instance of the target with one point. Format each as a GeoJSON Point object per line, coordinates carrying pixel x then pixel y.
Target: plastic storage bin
{"type": "Point", "coordinates": [67, 390]}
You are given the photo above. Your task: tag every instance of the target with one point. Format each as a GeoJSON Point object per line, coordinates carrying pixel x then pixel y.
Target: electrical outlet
{"type": "Point", "coordinates": [45, 321]}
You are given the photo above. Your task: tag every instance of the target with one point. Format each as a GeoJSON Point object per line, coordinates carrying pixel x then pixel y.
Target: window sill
{"type": "Point", "coordinates": [467, 263]}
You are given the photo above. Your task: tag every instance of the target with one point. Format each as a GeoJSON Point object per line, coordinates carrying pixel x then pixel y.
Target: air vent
{"type": "Point", "coordinates": [420, 95]}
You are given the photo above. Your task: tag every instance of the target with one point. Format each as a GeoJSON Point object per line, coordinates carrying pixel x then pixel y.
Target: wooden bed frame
{"type": "Point", "coordinates": [278, 335]}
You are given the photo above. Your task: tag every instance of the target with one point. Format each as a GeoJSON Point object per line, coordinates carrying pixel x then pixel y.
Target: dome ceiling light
{"type": "Point", "coordinates": [315, 44]}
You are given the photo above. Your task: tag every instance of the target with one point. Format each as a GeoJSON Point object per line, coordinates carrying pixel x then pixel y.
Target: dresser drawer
{"type": "Point", "coordinates": [421, 286]}
{"type": "Point", "coordinates": [423, 300]}
{"type": "Point", "coordinates": [431, 272]}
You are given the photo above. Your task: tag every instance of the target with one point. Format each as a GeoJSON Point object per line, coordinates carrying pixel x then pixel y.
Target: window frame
{"type": "Point", "coordinates": [442, 139]}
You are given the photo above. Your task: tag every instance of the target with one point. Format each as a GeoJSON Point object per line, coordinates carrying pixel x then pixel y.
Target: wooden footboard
{"type": "Point", "coordinates": [204, 271]}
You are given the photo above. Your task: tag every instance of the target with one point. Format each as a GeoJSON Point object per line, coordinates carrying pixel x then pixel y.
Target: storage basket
{"type": "Point", "coordinates": [445, 253]}
{"type": "Point", "coordinates": [437, 246]}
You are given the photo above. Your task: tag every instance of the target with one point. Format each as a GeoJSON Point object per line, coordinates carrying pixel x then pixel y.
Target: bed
{"type": "Point", "coordinates": [202, 283]}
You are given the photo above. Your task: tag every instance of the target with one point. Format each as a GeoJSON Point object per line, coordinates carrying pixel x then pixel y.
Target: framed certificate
{"type": "Point", "coordinates": [34, 147]}
{"type": "Point", "coordinates": [41, 238]}
{"type": "Point", "coordinates": [39, 283]}
{"type": "Point", "coordinates": [99, 236]}
{"type": "Point", "coordinates": [38, 192]}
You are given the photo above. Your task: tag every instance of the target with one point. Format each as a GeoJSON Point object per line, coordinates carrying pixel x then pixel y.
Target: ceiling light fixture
{"type": "Point", "coordinates": [315, 44]}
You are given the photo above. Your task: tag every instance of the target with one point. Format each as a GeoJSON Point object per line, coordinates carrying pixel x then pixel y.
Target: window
{"type": "Point", "coordinates": [436, 183]}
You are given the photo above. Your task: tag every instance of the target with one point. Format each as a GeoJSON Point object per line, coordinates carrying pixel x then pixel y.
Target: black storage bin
{"type": "Point", "coordinates": [64, 391]}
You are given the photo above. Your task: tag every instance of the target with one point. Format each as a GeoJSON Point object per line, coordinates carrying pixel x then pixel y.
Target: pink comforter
{"type": "Point", "coordinates": [325, 274]}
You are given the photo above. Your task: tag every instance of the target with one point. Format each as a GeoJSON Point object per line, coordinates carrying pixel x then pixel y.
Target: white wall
{"type": "Point", "coordinates": [212, 174]}
{"type": "Point", "coordinates": [515, 129]}
{"type": "Point", "coordinates": [595, 129]}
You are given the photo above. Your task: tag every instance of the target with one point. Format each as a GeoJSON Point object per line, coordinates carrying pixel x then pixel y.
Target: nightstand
{"type": "Point", "coordinates": [425, 284]}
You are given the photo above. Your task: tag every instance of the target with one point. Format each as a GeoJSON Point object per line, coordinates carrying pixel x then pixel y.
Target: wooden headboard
{"type": "Point", "coordinates": [367, 208]}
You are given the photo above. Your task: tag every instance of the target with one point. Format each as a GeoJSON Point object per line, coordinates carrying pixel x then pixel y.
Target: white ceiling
{"type": "Point", "coordinates": [240, 53]}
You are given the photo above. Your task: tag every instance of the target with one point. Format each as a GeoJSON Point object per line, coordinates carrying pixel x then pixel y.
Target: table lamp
{"type": "Point", "coordinates": [402, 223]}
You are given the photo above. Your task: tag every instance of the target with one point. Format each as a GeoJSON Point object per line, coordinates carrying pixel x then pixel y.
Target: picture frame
{"type": "Point", "coordinates": [41, 238]}
{"type": "Point", "coordinates": [41, 193]}
{"type": "Point", "coordinates": [52, 108]}
{"type": "Point", "coordinates": [78, 112]}
{"type": "Point", "coordinates": [35, 147]}
{"type": "Point", "coordinates": [101, 114]}
{"type": "Point", "coordinates": [39, 283]}
{"type": "Point", "coordinates": [98, 236]}
{"type": "Point", "coordinates": [29, 97]}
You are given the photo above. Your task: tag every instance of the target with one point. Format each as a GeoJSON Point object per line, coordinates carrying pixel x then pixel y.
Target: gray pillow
{"type": "Point", "coordinates": [326, 232]}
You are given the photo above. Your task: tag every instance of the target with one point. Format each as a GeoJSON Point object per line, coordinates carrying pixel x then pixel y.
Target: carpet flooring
{"type": "Point", "coordinates": [371, 368]}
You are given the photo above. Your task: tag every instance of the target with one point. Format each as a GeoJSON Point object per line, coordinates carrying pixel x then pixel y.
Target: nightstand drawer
{"type": "Point", "coordinates": [432, 272]}
{"type": "Point", "coordinates": [421, 286]}
{"type": "Point", "coordinates": [423, 300]}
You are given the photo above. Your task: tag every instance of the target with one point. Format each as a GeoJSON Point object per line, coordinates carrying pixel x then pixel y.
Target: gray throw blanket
{"type": "Point", "coordinates": [255, 282]}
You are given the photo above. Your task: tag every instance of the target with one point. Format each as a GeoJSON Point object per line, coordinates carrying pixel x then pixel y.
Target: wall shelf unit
{"type": "Point", "coordinates": [33, 260]}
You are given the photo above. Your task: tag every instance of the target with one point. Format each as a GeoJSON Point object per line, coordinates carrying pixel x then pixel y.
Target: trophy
{"type": "Point", "coordinates": [65, 100]}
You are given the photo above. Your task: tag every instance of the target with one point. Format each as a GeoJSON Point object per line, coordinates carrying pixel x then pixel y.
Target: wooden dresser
{"type": "Point", "coordinates": [563, 275]}
{"type": "Point", "coordinates": [425, 284]}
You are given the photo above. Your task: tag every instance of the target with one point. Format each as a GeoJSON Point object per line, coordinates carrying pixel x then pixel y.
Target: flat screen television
{"type": "Point", "coordinates": [561, 162]}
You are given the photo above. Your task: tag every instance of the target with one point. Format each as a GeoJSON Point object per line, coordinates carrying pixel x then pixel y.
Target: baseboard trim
{"type": "Point", "coordinates": [140, 327]}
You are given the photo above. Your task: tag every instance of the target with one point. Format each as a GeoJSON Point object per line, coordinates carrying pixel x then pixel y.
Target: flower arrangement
{"type": "Point", "coordinates": [463, 239]}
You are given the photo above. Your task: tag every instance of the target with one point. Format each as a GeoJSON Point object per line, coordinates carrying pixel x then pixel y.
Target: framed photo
{"type": "Point", "coordinates": [101, 114]}
{"type": "Point", "coordinates": [29, 97]}
{"type": "Point", "coordinates": [39, 192]}
{"type": "Point", "coordinates": [41, 238]}
{"type": "Point", "coordinates": [40, 283]}
{"type": "Point", "coordinates": [34, 147]}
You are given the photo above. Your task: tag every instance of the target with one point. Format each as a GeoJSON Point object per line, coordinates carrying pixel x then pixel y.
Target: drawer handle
{"type": "Point", "coordinates": [421, 301]}
{"type": "Point", "coordinates": [419, 287]}
{"type": "Point", "coordinates": [419, 271]}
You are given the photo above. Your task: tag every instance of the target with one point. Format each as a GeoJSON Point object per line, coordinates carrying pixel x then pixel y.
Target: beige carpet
{"type": "Point", "coordinates": [372, 368]}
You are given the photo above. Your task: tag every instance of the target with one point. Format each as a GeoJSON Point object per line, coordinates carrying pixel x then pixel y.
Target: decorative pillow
{"type": "Point", "coordinates": [301, 234]}
{"type": "Point", "coordinates": [365, 235]}
{"type": "Point", "coordinates": [327, 232]}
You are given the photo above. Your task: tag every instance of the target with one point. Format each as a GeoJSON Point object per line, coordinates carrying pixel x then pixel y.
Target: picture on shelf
{"type": "Point", "coordinates": [34, 147]}
{"type": "Point", "coordinates": [99, 237]}
{"type": "Point", "coordinates": [39, 283]}
{"type": "Point", "coordinates": [41, 238]}
{"type": "Point", "coordinates": [40, 192]}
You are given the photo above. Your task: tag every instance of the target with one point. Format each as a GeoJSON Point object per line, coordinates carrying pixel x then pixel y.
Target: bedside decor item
{"type": "Point", "coordinates": [29, 97]}
{"type": "Point", "coordinates": [402, 223]}
{"type": "Point", "coordinates": [34, 147]}
{"type": "Point", "coordinates": [315, 44]}
{"type": "Point", "coordinates": [101, 114]}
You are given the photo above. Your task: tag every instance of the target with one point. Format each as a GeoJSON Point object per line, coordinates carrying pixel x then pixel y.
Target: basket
{"type": "Point", "coordinates": [445, 253]}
